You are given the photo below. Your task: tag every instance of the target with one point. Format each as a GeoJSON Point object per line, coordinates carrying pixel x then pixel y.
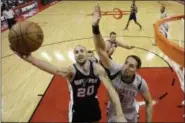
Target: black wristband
{"type": "Point", "coordinates": [96, 30]}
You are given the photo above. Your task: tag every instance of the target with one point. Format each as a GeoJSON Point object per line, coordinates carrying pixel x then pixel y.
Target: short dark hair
{"type": "Point", "coordinates": [80, 46]}
{"type": "Point", "coordinates": [112, 33]}
{"type": "Point", "coordinates": [89, 51]}
{"type": "Point", "coordinates": [137, 59]}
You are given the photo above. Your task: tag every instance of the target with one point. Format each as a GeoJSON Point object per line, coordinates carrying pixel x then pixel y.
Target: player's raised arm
{"type": "Point", "coordinates": [111, 91]}
{"type": "Point", "coordinates": [98, 39]}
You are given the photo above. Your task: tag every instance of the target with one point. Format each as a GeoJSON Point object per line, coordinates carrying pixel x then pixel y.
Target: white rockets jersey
{"type": "Point", "coordinates": [164, 26]}
{"type": "Point", "coordinates": [127, 92]}
{"type": "Point", "coordinates": [163, 15]}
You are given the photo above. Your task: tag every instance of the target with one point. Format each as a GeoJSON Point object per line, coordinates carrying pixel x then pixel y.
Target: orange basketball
{"type": "Point", "coordinates": [25, 37]}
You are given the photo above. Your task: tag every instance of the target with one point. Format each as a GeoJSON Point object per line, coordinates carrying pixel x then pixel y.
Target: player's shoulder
{"type": "Point", "coordinates": [71, 67]}
{"type": "Point", "coordinates": [139, 78]}
{"type": "Point", "coordinates": [97, 66]}
{"type": "Point", "coordinates": [116, 65]}
{"type": "Point", "coordinates": [108, 41]}
{"type": "Point", "coordinates": [139, 82]}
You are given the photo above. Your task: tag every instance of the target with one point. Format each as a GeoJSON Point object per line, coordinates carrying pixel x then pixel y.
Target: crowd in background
{"type": "Point", "coordinates": [12, 3]}
{"type": "Point", "coordinates": [7, 12]}
{"type": "Point", "coordinates": [7, 7]}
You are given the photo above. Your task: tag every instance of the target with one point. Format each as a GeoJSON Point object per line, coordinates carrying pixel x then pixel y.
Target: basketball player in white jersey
{"type": "Point", "coordinates": [84, 79]}
{"type": "Point", "coordinates": [124, 77]}
{"type": "Point", "coordinates": [164, 27]}
{"type": "Point", "coordinates": [112, 44]}
{"type": "Point", "coordinates": [91, 56]}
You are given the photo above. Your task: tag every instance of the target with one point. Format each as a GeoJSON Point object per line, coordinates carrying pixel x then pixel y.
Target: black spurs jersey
{"type": "Point", "coordinates": [84, 86]}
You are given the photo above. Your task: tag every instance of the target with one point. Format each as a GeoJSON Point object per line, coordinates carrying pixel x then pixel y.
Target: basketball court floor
{"type": "Point", "coordinates": [29, 94]}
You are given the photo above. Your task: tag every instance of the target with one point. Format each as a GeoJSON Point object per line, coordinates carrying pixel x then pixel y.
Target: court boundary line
{"type": "Point", "coordinates": [156, 55]}
{"type": "Point", "coordinates": [41, 99]}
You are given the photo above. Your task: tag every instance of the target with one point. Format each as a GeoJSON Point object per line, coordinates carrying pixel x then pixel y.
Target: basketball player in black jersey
{"type": "Point", "coordinates": [133, 15]}
{"type": "Point", "coordinates": [91, 56]}
{"type": "Point", "coordinates": [84, 79]}
{"type": "Point", "coordinates": [112, 44]}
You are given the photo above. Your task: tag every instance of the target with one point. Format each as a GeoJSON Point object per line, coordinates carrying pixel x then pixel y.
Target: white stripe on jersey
{"type": "Point", "coordinates": [70, 114]}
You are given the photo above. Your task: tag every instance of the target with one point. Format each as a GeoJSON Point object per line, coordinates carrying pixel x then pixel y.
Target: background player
{"type": "Point", "coordinates": [164, 27]}
{"type": "Point", "coordinates": [133, 12]}
{"type": "Point", "coordinates": [84, 78]}
{"type": "Point", "coordinates": [126, 80]}
{"type": "Point", "coordinates": [112, 44]}
{"type": "Point", "coordinates": [91, 56]}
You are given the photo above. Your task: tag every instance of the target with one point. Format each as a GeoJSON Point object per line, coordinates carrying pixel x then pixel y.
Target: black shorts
{"type": "Point", "coordinates": [87, 112]}
{"type": "Point", "coordinates": [11, 22]}
{"type": "Point", "coordinates": [133, 17]}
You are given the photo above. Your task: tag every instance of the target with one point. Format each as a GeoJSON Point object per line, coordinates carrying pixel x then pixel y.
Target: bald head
{"type": "Point", "coordinates": [80, 47]}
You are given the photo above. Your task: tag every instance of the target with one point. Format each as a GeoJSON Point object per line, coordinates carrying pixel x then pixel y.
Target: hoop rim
{"type": "Point", "coordinates": [171, 49]}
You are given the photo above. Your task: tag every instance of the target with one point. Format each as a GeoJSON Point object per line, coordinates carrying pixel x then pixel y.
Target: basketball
{"type": "Point", "coordinates": [25, 37]}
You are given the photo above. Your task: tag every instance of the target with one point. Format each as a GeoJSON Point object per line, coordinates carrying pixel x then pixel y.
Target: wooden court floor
{"type": "Point", "coordinates": [65, 25]}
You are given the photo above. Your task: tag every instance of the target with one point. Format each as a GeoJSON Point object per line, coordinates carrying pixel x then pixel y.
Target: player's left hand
{"type": "Point", "coordinates": [96, 15]}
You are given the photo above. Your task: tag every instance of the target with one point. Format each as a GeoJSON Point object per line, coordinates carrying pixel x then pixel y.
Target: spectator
{"type": "Point", "coordinates": [9, 16]}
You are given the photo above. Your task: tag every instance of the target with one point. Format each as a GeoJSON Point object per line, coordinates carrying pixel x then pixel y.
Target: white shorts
{"type": "Point", "coordinates": [112, 118]}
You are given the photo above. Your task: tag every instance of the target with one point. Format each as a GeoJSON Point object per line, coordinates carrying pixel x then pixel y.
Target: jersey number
{"type": "Point", "coordinates": [121, 97]}
{"type": "Point", "coordinates": [82, 92]}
